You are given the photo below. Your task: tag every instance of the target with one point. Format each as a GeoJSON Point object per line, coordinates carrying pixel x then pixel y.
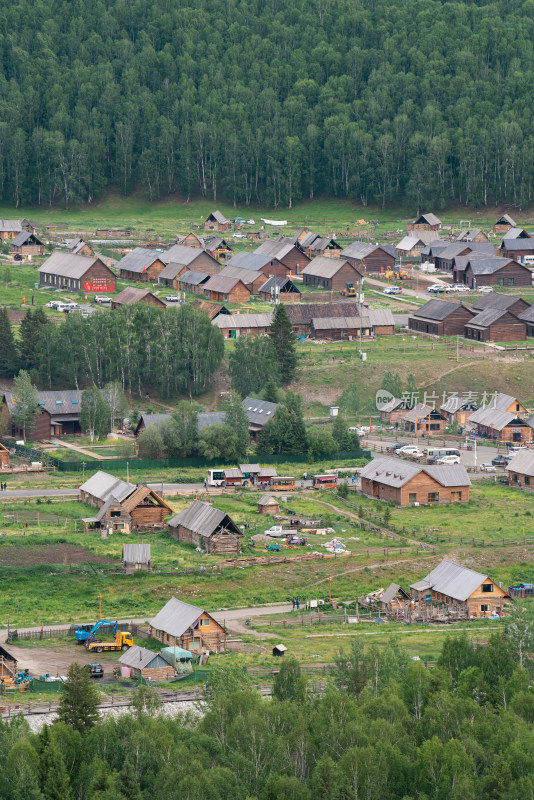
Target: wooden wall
{"type": "Point", "coordinates": [421, 485]}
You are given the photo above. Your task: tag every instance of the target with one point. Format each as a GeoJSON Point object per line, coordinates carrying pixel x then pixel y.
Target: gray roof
{"type": "Point", "coordinates": [207, 418]}
{"type": "Point", "coordinates": [453, 580]}
{"type": "Point", "coordinates": [495, 300]}
{"type": "Point", "coordinates": [492, 418]}
{"type": "Point", "coordinates": [448, 474]}
{"type": "Point", "coordinates": [154, 419]}
{"type": "Point", "coordinates": [337, 323]}
{"type": "Point", "coordinates": [488, 266]}
{"type": "Point", "coordinates": [252, 261]}
{"type": "Point", "coordinates": [418, 238]}
{"type": "Point", "coordinates": [518, 244]}
{"type": "Point", "coordinates": [65, 402]}
{"type": "Point", "coordinates": [176, 617]}
{"type": "Point", "coordinates": [506, 218]}
{"type": "Point", "coordinates": [104, 486]}
{"type": "Point", "coordinates": [435, 248]}
{"type": "Point", "coordinates": [283, 284]}
{"type": "Point", "coordinates": [454, 404]}
{"type": "Point", "coordinates": [267, 499]}
{"type": "Point", "coordinates": [436, 309]}
{"type": "Point", "coordinates": [68, 265]}
{"type": "Point", "coordinates": [141, 658]}
{"type": "Point", "coordinates": [270, 472]}
{"type": "Point", "coordinates": [393, 405]}
{"type": "Point", "coordinates": [111, 502]}
{"type": "Point", "coordinates": [247, 276]}
{"type": "Point", "coordinates": [192, 278]}
{"type": "Point", "coordinates": [502, 401]}
{"type": "Point", "coordinates": [21, 238]}
{"type": "Point", "coordinates": [420, 411]}
{"type": "Point", "coordinates": [184, 255]}
{"type": "Point", "coordinates": [203, 519]}
{"type": "Point", "coordinates": [468, 236]}
{"type": "Point", "coordinates": [277, 248]}
{"type": "Point", "coordinates": [136, 553]}
{"type": "Point", "coordinates": [217, 283]}
{"type": "Point", "coordinates": [259, 412]}
{"type": "Point", "coordinates": [218, 217]}
{"type": "Point", "coordinates": [140, 259]}
{"type": "Point", "coordinates": [10, 225]}
{"type": "Point", "coordinates": [527, 315]}
{"type": "Point", "coordinates": [243, 321]}
{"type": "Point", "coordinates": [454, 249]}
{"type": "Point", "coordinates": [358, 249]}
{"type": "Point", "coordinates": [250, 468]}
{"type": "Point", "coordinates": [75, 245]}
{"type": "Point", "coordinates": [522, 462]}
{"type": "Point", "coordinates": [324, 267]}
{"type": "Point", "coordinates": [233, 472]}
{"type": "Point", "coordinates": [488, 317]}
{"type": "Point", "coordinates": [390, 593]}
{"type": "Point", "coordinates": [431, 219]}
{"type": "Point", "coordinates": [516, 233]}
{"type": "Point", "coordinates": [394, 472]}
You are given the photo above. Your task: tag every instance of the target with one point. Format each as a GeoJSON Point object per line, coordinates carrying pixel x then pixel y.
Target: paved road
{"type": "Point", "coordinates": [467, 457]}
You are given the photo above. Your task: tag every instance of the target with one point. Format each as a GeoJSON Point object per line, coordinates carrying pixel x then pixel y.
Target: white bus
{"type": "Point", "coordinates": [439, 452]}
{"type": "Point", "coordinates": [215, 477]}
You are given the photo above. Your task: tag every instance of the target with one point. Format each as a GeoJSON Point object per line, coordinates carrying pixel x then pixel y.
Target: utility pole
{"type": "Point", "coordinates": [83, 471]}
{"type": "Point", "coordinates": [99, 606]}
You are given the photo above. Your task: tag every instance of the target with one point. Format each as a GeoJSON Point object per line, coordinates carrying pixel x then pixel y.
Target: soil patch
{"type": "Point", "coordinates": [33, 555]}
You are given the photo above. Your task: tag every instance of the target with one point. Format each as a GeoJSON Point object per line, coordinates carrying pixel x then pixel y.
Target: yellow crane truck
{"type": "Point", "coordinates": [122, 641]}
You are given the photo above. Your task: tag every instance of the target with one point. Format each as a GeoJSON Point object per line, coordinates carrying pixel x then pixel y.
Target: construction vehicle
{"type": "Point", "coordinates": [397, 274]}
{"type": "Point", "coordinates": [83, 635]}
{"type": "Point", "coordinates": [23, 677]}
{"type": "Point", "coordinates": [122, 641]}
{"type": "Point", "coordinates": [349, 290]}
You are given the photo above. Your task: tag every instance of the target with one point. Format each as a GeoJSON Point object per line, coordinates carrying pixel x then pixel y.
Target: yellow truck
{"type": "Point", "coordinates": [349, 290]}
{"type": "Point", "coordinates": [398, 275]}
{"type": "Point", "coordinates": [122, 641]}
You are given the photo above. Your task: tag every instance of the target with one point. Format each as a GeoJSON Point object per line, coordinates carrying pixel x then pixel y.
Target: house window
{"type": "Point", "coordinates": [115, 513]}
{"type": "Point", "coordinates": [501, 281]}
{"type": "Point", "coordinates": [204, 622]}
{"type": "Point", "coordinates": [118, 526]}
{"type": "Point", "coordinates": [456, 497]}
{"type": "Point", "coordinates": [510, 281]}
{"type": "Point", "coordinates": [527, 480]}
{"type": "Point", "coordinates": [487, 587]}
{"type": "Point", "coordinates": [433, 497]}
{"type": "Point", "coordinates": [412, 497]}
{"type": "Point", "coordinates": [484, 607]}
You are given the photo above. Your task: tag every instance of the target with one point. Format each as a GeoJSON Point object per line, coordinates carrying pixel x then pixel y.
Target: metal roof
{"type": "Point", "coordinates": [250, 468]}
{"type": "Point", "coordinates": [131, 294]}
{"type": "Point", "coordinates": [358, 249]}
{"type": "Point", "coordinates": [204, 519]}
{"type": "Point", "coordinates": [223, 285]}
{"type": "Point", "coordinates": [523, 461]}
{"type": "Point", "coordinates": [218, 217]}
{"type": "Point", "coordinates": [62, 402]}
{"type": "Point", "coordinates": [139, 259]}
{"type": "Point", "coordinates": [492, 418]}
{"type": "Point", "coordinates": [495, 300]}
{"type": "Point", "coordinates": [10, 225]}
{"type": "Point", "coordinates": [390, 593]}
{"type": "Point", "coordinates": [110, 503]}
{"type": "Point", "coordinates": [390, 471]}
{"type": "Point", "coordinates": [136, 553]}
{"type": "Point", "coordinates": [519, 244]}
{"type": "Point", "coordinates": [207, 418]}
{"type": "Point", "coordinates": [516, 233]}
{"type": "Point", "coordinates": [267, 499]}
{"type": "Point", "coordinates": [434, 248]}
{"type": "Point", "coordinates": [488, 266]}
{"type": "Point", "coordinates": [436, 309]}
{"type": "Point", "coordinates": [303, 313]}
{"type": "Point", "coordinates": [252, 261]}
{"type": "Point", "coordinates": [420, 411]}
{"type": "Point", "coordinates": [276, 248]}
{"type": "Point", "coordinates": [507, 219]}
{"type": "Point", "coordinates": [69, 265]}
{"type": "Point", "coordinates": [448, 474]}
{"type": "Point", "coordinates": [453, 580]}
{"type": "Point", "coordinates": [102, 485]}
{"type": "Point", "coordinates": [233, 472]}
{"type": "Point", "coordinates": [324, 267]}
{"type": "Point", "coordinates": [430, 219]}
{"type": "Point", "coordinates": [247, 276]}
{"type": "Point", "coordinates": [337, 323]}
{"type": "Point", "coordinates": [184, 255]}
{"type": "Point", "coordinates": [268, 472]}
{"type": "Point", "coordinates": [259, 412]}
{"type": "Point", "coordinates": [487, 317]}
{"type": "Point", "coordinates": [242, 321]}
{"type": "Point", "coordinates": [192, 278]}
{"type": "Point", "coordinates": [409, 243]}
{"type": "Point", "coordinates": [141, 658]}
{"type": "Point", "coordinates": [527, 315]}
{"type": "Point", "coordinates": [393, 405]}
{"type": "Point", "coordinates": [154, 419]}
{"type": "Point", "coordinates": [283, 284]}
{"type": "Point", "coordinates": [176, 617]}
{"type": "Point", "coordinates": [21, 238]}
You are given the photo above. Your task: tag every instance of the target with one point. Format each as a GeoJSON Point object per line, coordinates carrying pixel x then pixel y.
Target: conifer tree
{"type": "Point", "coordinates": [8, 351]}
{"type": "Point", "coordinates": [78, 705]}
{"type": "Point", "coordinates": [285, 344]}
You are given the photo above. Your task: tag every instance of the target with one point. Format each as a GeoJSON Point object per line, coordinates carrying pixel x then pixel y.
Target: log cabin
{"type": "Point", "coordinates": [217, 222]}
{"type": "Point", "coordinates": [226, 290]}
{"type": "Point", "coordinates": [504, 224]}
{"type": "Point", "coordinates": [446, 259]}
{"type": "Point", "coordinates": [501, 426]}
{"type": "Point", "coordinates": [24, 246]}
{"type": "Point", "coordinates": [76, 273]}
{"type": "Point", "coordinates": [191, 281]}
{"type": "Point", "coordinates": [258, 262]}
{"type": "Point", "coordinates": [145, 507]}
{"type": "Point", "coordinates": [132, 295]}
{"type": "Point", "coordinates": [406, 483]}
{"type": "Point", "coordinates": [424, 419]}
{"type": "Point", "coordinates": [477, 271]}
{"type": "Point", "coordinates": [251, 278]}
{"type": "Point", "coordinates": [440, 318]}
{"type": "Point", "coordinates": [425, 222]}
{"type": "Point", "coordinates": [147, 664]}
{"type": "Point", "coordinates": [142, 264]}
{"type": "Point", "coordinates": [189, 627]}
{"type": "Point", "coordinates": [267, 504]}
{"type": "Point", "coordinates": [371, 258]}
{"type": "Point", "coordinates": [372, 322]}
{"type": "Point", "coordinates": [451, 584]}
{"type": "Point", "coordinates": [332, 274]}
{"type": "Point", "coordinates": [291, 257]}
{"type": "Point", "coordinates": [207, 527]}
{"type": "Point", "coordinates": [516, 305]}
{"type": "Point", "coordinates": [281, 289]}
{"type": "Point", "coordinates": [315, 245]}
{"type": "Point", "coordinates": [517, 249]}
{"type": "Point", "coordinates": [495, 325]}
{"type": "Point", "coordinates": [521, 469]}
{"type": "Point", "coordinates": [59, 414]}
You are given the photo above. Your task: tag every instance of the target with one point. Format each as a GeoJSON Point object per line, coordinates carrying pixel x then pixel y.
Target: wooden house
{"type": "Point", "coordinates": [217, 222]}
{"type": "Point", "coordinates": [517, 249]}
{"type": "Point", "coordinates": [4, 457]}
{"type": "Point", "coordinates": [251, 278]}
{"type": "Point", "coordinates": [301, 315]}
{"type": "Point", "coordinates": [457, 409]}
{"type": "Point", "coordinates": [521, 470]}
{"type": "Point", "coordinates": [189, 627]}
{"type": "Point", "coordinates": [291, 257]}
{"type": "Point", "coordinates": [267, 504]}
{"type": "Point", "coordinates": [332, 274]}
{"type": "Point", "coordinates": [8, 666]}
{"type": "Point", "coordinates": [412, 245]}
{"type": "Point", "coordinates": [145, 507]}
{"type": "Point", "coordinates": [190, 281]}
{"type": "Point", "coordinates": [191, 240]}
{"type": "Point", "coordinates": [481, 271]}
{"type": "Point", "coordinates": [315, 245]}
{"type": "Point", "coordinates": [446, 258]}
{"type": "Point", "coordinates": [24, 246]}
{"type": "Point", "coordinates": [233, 477]}
{"type": "Point", "coordinates": [278, 289]}
{"type": "Point", "coordinates": [143, 663]}
{"type": "Point", "coordinates": [527, 317]}
{"type": "Point", "coordinates": [59, 414]}
{"type": "Point", "coordinates": [393, 597]}
{"type": "Point", "coordinates": [211, 309]}
{"type": "Point", "coordinates": [406, 483]}
{"type": "Point", "coordinates": [516, 233]}
{"type": "Point", "coordinates": [112, 517]}
{"type": "Point", "coordinates": [392, 412]}
{"type": "Point", "coordinates": [504, 224]}
{"type": "Point", "coordinates": [516, 305]}
{"type": "Point", "coordinates": [76, 273]}
{"type": "Point", "coordinates": [370, 258]}
{"type": "Point", "coordinates": [218, 247]}
{"type": "Point", "coordinates": [226, 290]}
{"type": "Point", "coordinates": [342, 328]}
{"type": "Point", "coordinates": [450, 584]}
{"type": "Point", "coordinates": [265, 476]}
{"type": "Point", "coordinates": [476, 235]}
{"type": "Point", "coordinates": [194, 258]}
{"type": "Point", "coordinates": [425, 222]}
{"type": "Point", "coordinates": [132, 295]}
{"type": "Point", "coordinates": [257, 262]}
{"type": "Point", "coordinates": [440, 318]}
{"type": "Point", "coordinates": [207, 527]}
{"type": "Point", "coordinates": [259, 412]}
{"type": "Point", "coordinates": [501, 426]}
{"type": "Point", "coordinates": [136, 557]}
{"type": "Point", "coordinates": [10, 228]}
{"type": "Point", "coordinates": [505, 402]}
{"type": "Point", "coordinates": [495, 325]}
{"type": "Point", "coordinates": [78, 247]}
{"type": "Point", "coordinates": [424, 419]}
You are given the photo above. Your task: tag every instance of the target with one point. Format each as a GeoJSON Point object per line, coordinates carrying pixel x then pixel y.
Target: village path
{"type": "Point", "coordinates": [356, 517]}
{"type": "Point", "coordinates": [81, 450]}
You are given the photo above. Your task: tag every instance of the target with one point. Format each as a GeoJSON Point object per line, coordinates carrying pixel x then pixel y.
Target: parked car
{"type": "Point", "coordinates": [448, 460]}
{"type": "Point", "coordinates": [172, 298]}
{"type": "Point", "coordinates": [436, 288]}
{"type": "Point", "coordinates": [405, 448]}
{"type": "Point", "coordinates": [488, 468]}
{"type": "Point", "coordinates": [460, 287]}
{"type": "Point", "coordinates": [96, 670]}
{"type": "Point", "coordinates": [392, 290]}
{"type": "Point", "coordinates": [393, 448]}
{"type": "Point", "coordinates": [500, 461]}
{"type": "Point", "coordinates": [71, 307]}
{"type": "Point", "coordinates": [485, 289]}
{"type": "Point", "coordinates": [53, 303]}
{"type": "Point", "coordinates": [513, 451]}
{"type": "Point", "coordinates": [101, 298]}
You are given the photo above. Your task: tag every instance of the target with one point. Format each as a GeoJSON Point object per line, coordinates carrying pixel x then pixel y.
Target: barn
{"type": "Point", "coordinates": [207, 527]}
{"type": "Point", "coordinates": [189, 627]}
{"type": "Point", "coordinates": [412, 245]}
{"type": "Point", "coordinates": [451, 584]}
{"type": "Point", "coordinates": [147, 664]}
{"type": "Point", "coordinates": [77, 246]}
{"type": "Point", "coordinates": [76, 273]}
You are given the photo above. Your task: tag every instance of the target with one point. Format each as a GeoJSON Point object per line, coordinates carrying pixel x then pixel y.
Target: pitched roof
{"type": "Point", "coordinates": [522, 462]}
{"type": "Point", "coordinates": [75, 245]}
{"type": "Point", "coordinates": [283, 284]}
{"type": "Point", "coordinates": [140, 259]}
{"type": "Point", "coordinates": [324, 267]}
{"type": "Point", "coordinates": [436, 309]}
{"type": "Point", "coordinates": [219, 217]}
{"type": "Point", "coordinates": [211, 309]}
{"type": "Point", "coordinates": [454, 404]}
{"type": "Point", "coordinates": [448, 474]}
{"type": "Point", "coordinates": [490, 265]}
{"type": "Point", "coordinates": [320, 244]}
{"type": "Point", "coordinates": [154, 419]}
{"type": "Point", "coordinates": [468, 236]}
{"type": "Point", "coordinates": [136, 553]}
{"type": "Point", "coordinates": [276, 248]}
{"type": "Point", "coordinates": [212, 243]}
{"type": "Point", "coordinates": [140, 658]}
{"type": "Point", "coordinates": [516, 233]}
{"type": "Point", "coordinates": [434, 248]}
{"type": "Point", "coordinates": [247, 276]}
{"type": "Point", "coordinates": [431, 219]}
{"type": "Point", "coordinates": [335, 323]}
{"type": "Point", "coordinates": [492, 418]}
{"type": "Point", "coordinates": [495, 300]}
{"type": "Point", "coordinates": [223, 285]}
{"type": "Point", "coordinates": [303, 313]}
{"type": "Point", "coordinates": [23, 237]}
{"type": "Point", "coordinates": [391, 471]}
{"type": "Point", "coordinates": [139, 494]}
{"type": "Point", "coordinates": [488, 317]}
{"type": "Point", "coordinates": [10, 225]}
{"type": "Point", "coordinates": [192, 278]}
{"type": "Point", "coordinates": [252, 261]}
{"type": "Point", "coordinates": [527, 315]}
{"type": "Point", "coordinates": [103, 486]}
{"type": "Point", "coordinates": [507, 219]}
{"type": "Point", "coordinates": [134, 295]}
{"type": "Point", "coordinates": [207, 418]}
{"type": "Point", "coordinates": [518, 244]}
{"type": "Point", "coordinates": [176, 617]}
{"type": "Point", "coordinates": [243, 320]}
{"type": "Point", "coordinates": [259, 412]}
{"type": "Point", "coordinates": [453, 580]}
{"type": "Point", "coordinates": [203, 519]}
{"type": "Point", "coordinates": [387, 596]}
{"type": "Point", "coordinates": [68, 265]}
{"type": "Point", "coordinates": [184, 255]}
{"type": "Point", "coordinates": [420, 411]}
{"type": "Point", "coordinates": [358, 249]}
{"type": "Point", "coordinates": [55, 402]}
{"type": "Point", "coordinates": [267, 500]}
{"type": "Point", "coordinates": [393, 405]}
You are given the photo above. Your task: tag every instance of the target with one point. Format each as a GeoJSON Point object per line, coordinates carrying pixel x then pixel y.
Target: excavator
{"type": "Point", "coordinates": [83, 635]}
{"type": "Point", "coordinates": [397, 274]}
{"type": "Point", "coordinates": [349, 290]}
{"type": "Point", "coordinates": [122, 640]}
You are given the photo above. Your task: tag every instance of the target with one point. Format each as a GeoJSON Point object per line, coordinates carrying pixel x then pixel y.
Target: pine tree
{"type": "Point", "coordinates": [237, 420]}
{"type": "Point", "coordinates": [8, 352]}
{"type": "Point", "coordinates": [270, 391]}
{"type": "Point", "coordinates": [285, 344]}
{"type": "Point", "coordinates": [25, 406]}
{"type": "Point", "coordinates": [55, 783]}
{"type": "Point", "coordinates": [78, 705]}
{"type": "Point", "coordinates": [30, 332]}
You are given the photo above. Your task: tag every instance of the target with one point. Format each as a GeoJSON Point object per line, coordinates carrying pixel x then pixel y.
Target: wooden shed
{"type": "Point", "coordinates": [521, 469]}
{"type": "Point", "coordinates": [217, 222]}
{"type": "Point", "coordinates": [504, 224]}
{"type": "Point", "coordinates": [450, 584]}
{"type": "Point", "coordinates": [25, 245]}
{"type": "Point", "coordinates": [132, 295]}
{"type": "Point", "coordinates": [4, 457]}
{"type": "Point", "coordinates": [267, 504]}
{"type": "Point", "coordinates": [207, 527]}
{"type": "Point", "coordinates": [189, 627]}
{"type": "Point", "coordinates": [146, 664]}
{"type": "Point", "coordinates": [425, 222]}
{"type": "Point", "coordinates": [406, 483]}
{"type": "Point", "coordinates": [136, 557]}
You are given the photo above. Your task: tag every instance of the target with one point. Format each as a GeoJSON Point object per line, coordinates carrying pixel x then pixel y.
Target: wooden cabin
{"type": "Point", "coordinates": [495, 271]}
{"type": "Point", "coordinates": [10, 228]}
{"type": "Point", "coordinates": [267, 504]}
{"type": "Point", "coordinates": [504, 224]}
{"type": "Point", "coordinates": [371, 258]}
{"type": "Point", "coordinates": [145, 507]}
{"type": "Point", "coordinates": [495, 325]}
{"type": "Point", "coordinates": [189, 627]}
{"type": "Point", "coordinates": [226, 290]}
{"type": "Point", "coordinates": [136, 557]}
{"type": "Point", "coordinates": [521, 469]}
{"type": "Point", "coordinates": [475, 235]}
{"type": "Point", "coordinates": [288, 254]}
{"type": "Point", "coordinates": [425, 222]}
{"type": "Point", "coordinates": [315, 245]}
{"type": "Point", "coordinates": [424, 419]}
{"type": "Point", "coordinates": [279, 289]}
{"type": "Point", "coordinates": [24, 246]}
{"type": "Point", "coordinates": [452, 585]}
{"type": "Point", "coordinates": [406, 483]}
{"type": "Point", "coordinates": [207, 527]}
{"type": "Point", "coordinates": [251, 278]}
{"type": "Point", "coordinates": [332, 274]}
{"type": "Point", "coordinates": [76, 273]}
{"type": "Point", "coordinates": [132, 295]}
{"type": "Point", "coordinates": [440, 318]}
{"type": "Point", "coordinates": [217, 222]}
{"type": "Point", "coordinates": [392, 412]}
{"type": "Point", "coordinates": [4, 457]}
{"type": "Point", "coordinates": [505, 302]}
{"type": "Point", "coordinates": [147, 664]}
{"type": "Point", "coordinates": [59, 414]}
{"type": "Point", "coordinates": [457, 409]}
{"type": "Point", "coordinates": [517, 249]}
{"type": "Point", "coordinates": [268, 265]}
{"type": "Point", "coordinates": [142, 264]}
{"type": "Point", "coordinates": [501, 426]}
{"type": "Point", "coordinates": [190, 281]}
{"type": "Point", "coordinates": [412, 245]}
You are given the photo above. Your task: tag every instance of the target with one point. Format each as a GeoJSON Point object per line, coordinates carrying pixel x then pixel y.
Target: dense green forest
{"type": "Point", "coordinates": [421, 101]}
{"type": "Point", "coordinates": [386, 729]}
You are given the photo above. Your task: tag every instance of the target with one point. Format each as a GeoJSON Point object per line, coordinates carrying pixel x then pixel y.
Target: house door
{"type": "Point", "coordinates": [375, 489]}
{"type": "Point", "coordinates": [456, 497]}
{"type": "Point", "coordinates": [516, 436]}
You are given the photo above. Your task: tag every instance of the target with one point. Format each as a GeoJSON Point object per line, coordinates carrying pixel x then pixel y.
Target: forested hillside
{"type": "Point", "coordinates": [421, 101]}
